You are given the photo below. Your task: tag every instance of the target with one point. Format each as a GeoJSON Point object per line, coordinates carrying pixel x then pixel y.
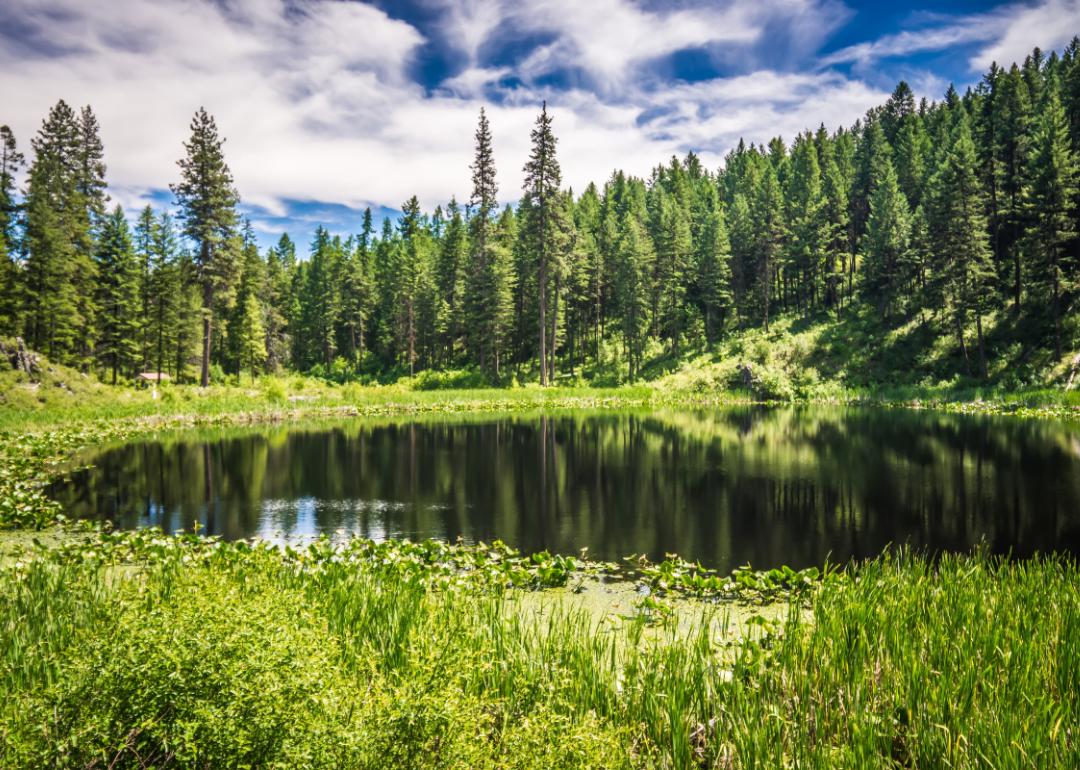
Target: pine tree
{"type": "Point", "coordinates": [450, 269]}
{"type": "Point", "coordinates": [356, 291]}
{"type": "Point", "coordinates": [118, 294]}
{"type": "Point", "coordinates": [886, 241]}
{"type": "Point", "coordinates": [144, 254]}
{"type": "Point", "coordinates": [413, 254]}
{"type": "Point", "coordinates": [252, 335]}
{"type": "Point", "coordinates": [1050, 202]}
{"type": "Point", "coordinates": [714, 271]}
{"type": "Point", "coordinates": [11, 160]}
{"type": "Point", "coordinates": [251, 284]}
{"type": "Point", "coordinates": [485, 188]}
{"type": "Point", "coordinates": [632, 296]}
{"type": "Point", "coordinates": [836, 233]}
{"type": "Point", "coordinates": [542, 179]}
{"type": "Point", "coordinates": [871, 153]}
{"type": "Point", "coordinates": [670, 226]}
{"type": "Point", "coordinates": [912, 151]}
{"type": "Point", "coordinates": [806, 226]}
{"type": "Point", "coordinates": [53, 224]}
{"type": "Point", "coordinates": [769, 233]}
{"type": "Point", "coordinates": [958, 232]}
{"type": "Point", "coordinates": [207, 201]}
{"type": "Point", "coordinates": [89, 212]}
{"type": "Point", "coordinates": [1012, 116]}
{"type": "Point", "coordinates": [500, 285]}
{"type": "Point", "coordinates": [166, 292]}
{"type": "Point", "coordinates": [321, 296]}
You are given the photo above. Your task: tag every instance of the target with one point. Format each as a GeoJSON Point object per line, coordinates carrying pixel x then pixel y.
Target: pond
{"type": "Point", "coordinates": [727, 486]}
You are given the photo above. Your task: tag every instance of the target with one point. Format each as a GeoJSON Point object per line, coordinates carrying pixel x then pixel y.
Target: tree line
{"type": "Point", "coordinates": [933, 212]}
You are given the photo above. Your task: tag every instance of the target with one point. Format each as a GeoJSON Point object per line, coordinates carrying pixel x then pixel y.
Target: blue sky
{"type": "Point", "coordinates": [330, 106]}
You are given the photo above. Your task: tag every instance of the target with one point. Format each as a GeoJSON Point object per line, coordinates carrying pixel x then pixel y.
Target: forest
{"type": "Point", "coordinates": [933, 215]}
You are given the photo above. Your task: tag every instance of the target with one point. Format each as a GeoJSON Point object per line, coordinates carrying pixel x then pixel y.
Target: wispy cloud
{"type": "Point", "coordinates": [320, 100]}
{"type": "Point", "coordinates": [1005, 34]}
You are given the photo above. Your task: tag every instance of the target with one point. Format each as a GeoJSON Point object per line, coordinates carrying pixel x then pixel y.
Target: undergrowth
{"type": "Point", "coordinates": [201, 654]}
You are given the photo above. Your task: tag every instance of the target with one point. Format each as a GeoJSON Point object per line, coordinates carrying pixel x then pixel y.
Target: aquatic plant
{"type": "Point", "coordinates": [360, 654]}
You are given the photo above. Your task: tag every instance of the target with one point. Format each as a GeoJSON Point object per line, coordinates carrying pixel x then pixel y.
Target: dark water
{"type": "Point", "coordinates": [768, 486]}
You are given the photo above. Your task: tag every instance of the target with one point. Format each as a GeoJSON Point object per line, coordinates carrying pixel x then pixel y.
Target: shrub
{"type": "Point", "coordinates": [274, 390]}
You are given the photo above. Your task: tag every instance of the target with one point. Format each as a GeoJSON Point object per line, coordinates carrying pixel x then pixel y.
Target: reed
{"type": "Point", "coordinates": [191, 651]}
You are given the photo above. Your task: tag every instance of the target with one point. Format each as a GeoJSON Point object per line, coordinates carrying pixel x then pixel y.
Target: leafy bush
{"type": "Point", "coordinates": [274, 390]}
{"type": "Point", "coordinates": [461, 379]}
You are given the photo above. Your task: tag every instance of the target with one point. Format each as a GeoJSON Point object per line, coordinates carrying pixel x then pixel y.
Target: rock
{"type": "Point", "coordinates": [746, 375]}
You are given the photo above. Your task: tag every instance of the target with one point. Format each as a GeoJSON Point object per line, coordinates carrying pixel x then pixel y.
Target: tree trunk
{"type": "Point", "coordinates": [543, 300]}
{"type": "Point", "coordinates": [1016, 262]}
{"type": "Point", "coordinates": [1057, 320]}
{"type": "Point", "coordinates": [982, 350]}
{"type": "Point", "coordinates": [555, 323]}
{"type": "Point", "coordinates": [208, 309]}
{"type": "Point", "coordinates": [963, 347]}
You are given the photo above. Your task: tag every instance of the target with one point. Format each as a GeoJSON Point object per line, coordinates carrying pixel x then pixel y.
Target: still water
{"type": "Point", "coordinates": [768, 486]}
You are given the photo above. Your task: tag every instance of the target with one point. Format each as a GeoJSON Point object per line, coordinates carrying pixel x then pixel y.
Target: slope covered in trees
{"type": "Point", "coordinates": [947, 229]}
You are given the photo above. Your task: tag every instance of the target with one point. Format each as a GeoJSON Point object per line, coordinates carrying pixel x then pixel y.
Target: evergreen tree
{"type": "Point", "coordinates": [1050, 202]}
{"type": "Point", "coordinates": [958, 233]}
{"type": "Point", "coordinates": [1012, 116]}
{"type": "Point", "coordinates": [252, 335]}
{"type": "Point", "coordinates": [768, 229]}
{"type": "Point", "coordinates": [483, 199]}
{"type": "Point", "coordinates": [88, 214]}
{"type": "Point", "coordinates": [356, 291]}
{"type": "Point", "coordinates": [166, 292]}
{"type": "Point", "coordinates": [807, 226]}
{"type": "Point", "coordinates": [321, 296]}
{"type": "Point", "coordinates": [542, 179]}
{"type": "Point", "coordinates": [912, 151]}
{"type": "Point", "coordinates": [118, 294]}
{"type": "Point", "coordinates": [411, 277]}
{"type": "Point", "coordinates": [11, 160]}
{"type": "Point", "coordinates": [871, 153]}
{"type": "Point", "coordinates": [836, 233]}
{"type": "Point", "coordinates": [251, 284]}
{"type": "Point", "coordinates": [449, 273]}
{"type": "Point", "coordinates": [714, 269]}
{"type": "Point", "coordinates": [144, 254]}
{"type": "Point", "coordinates": [207, 201]}
{"type": "Point", "coordinates": [634, 262]}
{"type": "Point", "coordinates": [51, 305]}
{"type": "Point", "coordinates": [886, 241]}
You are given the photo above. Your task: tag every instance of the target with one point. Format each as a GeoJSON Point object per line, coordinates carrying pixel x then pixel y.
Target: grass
{"type": "Point", "coordinates": [207, 654]}
{"type": "Point", "coordinates": [136, 650]}
{"type": "Point", "coordinates": [856, 359]}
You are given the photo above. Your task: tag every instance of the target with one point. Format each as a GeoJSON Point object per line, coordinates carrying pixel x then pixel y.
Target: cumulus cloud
{"type": "Point", "coordinates": [320, 99]}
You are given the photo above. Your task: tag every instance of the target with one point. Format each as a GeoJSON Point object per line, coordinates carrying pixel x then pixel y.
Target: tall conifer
{"type": "Point", "coordinates": [207, 201]}
{"type": "Point", "coordinates": [542, 179]}
{"type": "Point", "coordinates": [1050, 202]}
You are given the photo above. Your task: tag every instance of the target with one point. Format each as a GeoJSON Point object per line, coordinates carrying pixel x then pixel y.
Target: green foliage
{"type": "Point", "coordinates": [388, 655]}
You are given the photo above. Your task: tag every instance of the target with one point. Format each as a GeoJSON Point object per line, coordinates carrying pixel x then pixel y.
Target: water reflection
{"type": "Point", "coordinates": [767, 486]}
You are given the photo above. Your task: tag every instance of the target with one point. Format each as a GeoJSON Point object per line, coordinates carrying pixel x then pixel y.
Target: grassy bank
{"type": "Point", "coordinates": [140, 650]}
{"type": "Point", "coordinates": [816, 359]}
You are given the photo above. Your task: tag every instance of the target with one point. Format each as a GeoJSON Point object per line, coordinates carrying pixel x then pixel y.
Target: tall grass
{"type": "Point", "coordinates": [240, 656]}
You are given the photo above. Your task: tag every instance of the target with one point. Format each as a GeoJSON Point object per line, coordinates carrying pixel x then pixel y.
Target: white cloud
{"type": "Point", "coordinates": [1049, 25]}
{"type": "Point", "coordinates": [318, 101]}
{"type": "Point", "coordinates": [1006, 34]}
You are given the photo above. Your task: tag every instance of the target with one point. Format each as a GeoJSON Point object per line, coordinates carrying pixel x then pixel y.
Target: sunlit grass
{"type": "Point", "coordinates": [248, 656]}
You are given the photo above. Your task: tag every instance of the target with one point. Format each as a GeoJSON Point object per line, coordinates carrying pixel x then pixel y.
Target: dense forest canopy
{"type": "Point", "coordinates": [936, 214]}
